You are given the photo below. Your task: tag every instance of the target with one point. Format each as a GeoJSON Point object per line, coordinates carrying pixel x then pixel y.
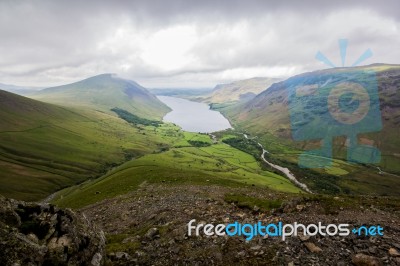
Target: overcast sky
{"type": "Point", "coordinates": [187, 43]}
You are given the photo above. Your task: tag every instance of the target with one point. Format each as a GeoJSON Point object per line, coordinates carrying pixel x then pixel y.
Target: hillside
{"type": "Point", "coordinates": [269, 114]}
{"type": "Point", "coordinates": [44, 147]}
{"type": "Point", "coordinates": [239, 90]}
{"type": "Point", "coordinates": [104, 92]}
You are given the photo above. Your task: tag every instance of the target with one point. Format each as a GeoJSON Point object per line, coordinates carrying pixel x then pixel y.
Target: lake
{"type": "Point", "coordinates": [193, 116]}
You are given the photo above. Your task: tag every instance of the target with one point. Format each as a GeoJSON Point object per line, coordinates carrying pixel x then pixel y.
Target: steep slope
{"type": "Point", "coordinates": [104, 92]}
{"type": "Point", "coordinates": [239, 90]}
{"type": "Point", "coordinates": [269, 115]}
{"type": "Point", "coordinates": [44, 147]}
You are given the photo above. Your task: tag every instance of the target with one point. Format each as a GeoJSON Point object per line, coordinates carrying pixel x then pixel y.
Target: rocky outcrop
{"type": "Point", "coordinates": [41, 234]}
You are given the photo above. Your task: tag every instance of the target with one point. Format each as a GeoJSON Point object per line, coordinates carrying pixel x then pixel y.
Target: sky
{"type": "Point", "coordinates": [188, 44]}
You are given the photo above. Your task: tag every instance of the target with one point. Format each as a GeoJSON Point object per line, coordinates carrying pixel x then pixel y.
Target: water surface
{"type": "Point", "coordinates": [193, 116]}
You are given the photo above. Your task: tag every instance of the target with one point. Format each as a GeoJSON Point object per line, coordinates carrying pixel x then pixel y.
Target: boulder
{"type": "Point", "coordinates": [152, 233]}
{"type": "Point", "coordinates": [365, 260]}
{"type": "Point", "coordinates": [37, 234]}
{"type": "Point", "coordinates": [312, 247]}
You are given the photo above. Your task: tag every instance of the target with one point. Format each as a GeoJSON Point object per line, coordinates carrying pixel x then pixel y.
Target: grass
{"type": "Point", "coordinates": [44, 148]}
{"type": "Point", "coordinates": [218, 164]}
{"type": "Point", "coordinates": [341, 177]}
{"type": "Point", "coordinates": [114, 244]}
{"type": "Point", "coordinates": [251, 203]}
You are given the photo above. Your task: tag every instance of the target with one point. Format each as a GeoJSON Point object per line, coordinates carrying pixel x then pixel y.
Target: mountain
{"type": "Point", "coordinates": [44, 147]}
{"type": "Point", "coordinates": [104, 92]}
{"type": "Point", "coordinates": [21, 90]}
{"type": "Point", "coordinates": [239, 90]}
{"type": "Point", "coordinates": [278, 120]}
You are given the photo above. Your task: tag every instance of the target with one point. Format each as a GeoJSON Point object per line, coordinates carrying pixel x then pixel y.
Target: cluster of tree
{"type": "Point", "coordinates": [245, 145]}
{"type": "Point", "coordinates": [198, 143]}
{"type": "Point", "coordinates": [134, 119]}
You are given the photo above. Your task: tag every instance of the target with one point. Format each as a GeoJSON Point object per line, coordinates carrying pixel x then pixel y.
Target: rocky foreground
{"type": "Point", "coordinates": [149, 227]}
{"type": "Point", "coordinates": [33, 234]}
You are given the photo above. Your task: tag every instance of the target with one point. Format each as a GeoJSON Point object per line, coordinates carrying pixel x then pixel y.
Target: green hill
{"type": "Point", "coordinates": [104, 92]}
{"type": "Point", "coordinates": [268, 117]}
{"type": "Point", "coordinates": [44, 147]}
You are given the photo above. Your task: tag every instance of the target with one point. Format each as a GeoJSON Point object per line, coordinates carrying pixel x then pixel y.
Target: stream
{"type": "Point", "coordinates": [284, 170]}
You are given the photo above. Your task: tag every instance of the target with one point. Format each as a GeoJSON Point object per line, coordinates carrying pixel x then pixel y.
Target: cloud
{"type": "Point", "coordinates": [187, 43]}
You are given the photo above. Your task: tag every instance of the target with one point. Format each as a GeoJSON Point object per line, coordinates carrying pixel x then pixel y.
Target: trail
{"type": "Point", "coordinates": [284, 170]}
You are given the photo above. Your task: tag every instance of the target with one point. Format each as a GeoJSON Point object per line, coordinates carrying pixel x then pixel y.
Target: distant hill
{"type": "Point", "coordinates": [104, 92]}
{"type": "Point", "coordinates": [44, 147]}
{"type": "Point", "coordinates": [180, 92]}
{"type": "Point", "coordinates": [239, 90]}
{"type": "Point", "coordinates": [268, 117]}
{"type": "Point", "coordinates": [21, 90]}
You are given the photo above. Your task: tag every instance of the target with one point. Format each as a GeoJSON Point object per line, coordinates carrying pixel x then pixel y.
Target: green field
{"type": "Point", "coordinates": [218, 164]}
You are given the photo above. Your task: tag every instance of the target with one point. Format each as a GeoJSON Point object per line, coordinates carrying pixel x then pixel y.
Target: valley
{"type": "Point", "coordinates": [199, 133]}
{"type": "Point", "coordinates": [86, 146]}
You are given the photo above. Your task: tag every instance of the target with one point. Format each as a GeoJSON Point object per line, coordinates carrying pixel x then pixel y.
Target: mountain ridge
{"type": "Point", "coordinates": [104, 92]}
{"type": "Point", "coordinates": [268, 116]}
{"type": "Point", "coordinates": [238, 90]}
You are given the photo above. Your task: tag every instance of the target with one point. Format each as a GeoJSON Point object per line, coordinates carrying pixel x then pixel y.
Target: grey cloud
{"type": "Point", "coordinates": [52, 42]}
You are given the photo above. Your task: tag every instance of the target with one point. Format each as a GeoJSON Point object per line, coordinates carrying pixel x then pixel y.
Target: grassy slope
{"type": "Point", "coordinates": [270, 108]}
{"type": "Point", "coordinates": [44, 147]}
{"type": "Point", "coordinates": [234, 91]}
{"type": "Point", "coordinates": [104, 92]}
{"type": "Point", "coordinates": [218, 164]}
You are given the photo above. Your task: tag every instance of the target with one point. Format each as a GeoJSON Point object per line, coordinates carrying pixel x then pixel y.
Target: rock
{"type": "Point", "coordinates": [65, 237]}
{"type": "Point", "coordinates": [304, 238]}
{"type": "Point", "coordinates": [241, 254]}
{"type": "Point", "coordinates": [312, 247]}
{"type": "Point", "coordinates": [218, 256]}
{"type": "Point", "coordinates": [300, 207]}
{"type": "Point", "coordinates": [372, 250]}
{"type": "Point", "coordinates": [291, 263]}
{"type": "Point", "coordinates": [256, 208]}
{"type": "Point", "coordinates": [96, 260]}
{"type": "Point", "coordinates": [365, 260]}
{"type": "Point", "coordinates": [393, 252]}
{"type": "Point", "coordinates": [32, 237]}
{"type": "Point", "coordinates": [122, 256]}
{"type": "Point", "coordinates": [256, 247]}
{"type": "Point", "coordinates": [176, 250]}
{"type": "Point", "coordinates": [152, 233]}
